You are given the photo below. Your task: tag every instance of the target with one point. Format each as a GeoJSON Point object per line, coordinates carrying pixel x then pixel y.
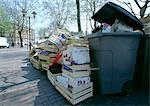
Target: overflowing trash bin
{"type": "Point", "coordinates": [115, 52]}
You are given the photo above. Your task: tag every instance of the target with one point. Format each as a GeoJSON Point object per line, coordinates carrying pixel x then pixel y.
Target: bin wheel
{"type": "Point", "coordinates": [128, 87]}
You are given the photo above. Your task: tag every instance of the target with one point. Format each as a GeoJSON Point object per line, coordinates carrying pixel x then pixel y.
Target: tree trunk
{"type": "Point", "coordinates": [21, 43]}
{"type": "Point", "coordinates": [11, 38]}
{"type": "Point", "coordinates": [94, 9]}
{"type": "Point", "coordinates": [14, 34]}
{"type": "Point", "coordinates": [78, 15]}
{"type": "Point", "coordinates": [20, 33]}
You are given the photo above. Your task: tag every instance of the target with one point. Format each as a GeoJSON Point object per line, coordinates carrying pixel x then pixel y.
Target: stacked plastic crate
{"type": "Point", "coordinates": [74, 83]}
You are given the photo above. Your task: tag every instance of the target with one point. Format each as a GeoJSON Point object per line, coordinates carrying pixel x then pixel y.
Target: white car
{"type": "Point", "coordinates": [3, 42]}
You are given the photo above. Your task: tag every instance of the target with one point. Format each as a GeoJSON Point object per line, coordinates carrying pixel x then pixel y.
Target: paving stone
{"type": "Point", "coordinates": [31, 87]}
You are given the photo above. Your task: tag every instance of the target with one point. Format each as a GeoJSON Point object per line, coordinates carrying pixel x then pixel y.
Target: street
{"type": "Point", "coordinates": [23, 85]}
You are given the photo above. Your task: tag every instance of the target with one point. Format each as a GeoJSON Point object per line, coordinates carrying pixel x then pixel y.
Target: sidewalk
{"type": "Point", "coordinates": [23, 85]}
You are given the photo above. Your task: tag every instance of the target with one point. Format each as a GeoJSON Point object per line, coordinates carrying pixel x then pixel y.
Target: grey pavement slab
{"type": "Point", "coordinates": [23, 85]}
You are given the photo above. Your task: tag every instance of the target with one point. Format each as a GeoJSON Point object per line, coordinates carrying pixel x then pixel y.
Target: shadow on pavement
{"type": "Point", "coordinates": [26, 60]}
{"type": "Point", "coordinates": [139, 97]}
{"type": "Point", "coordinates": [48, 95]}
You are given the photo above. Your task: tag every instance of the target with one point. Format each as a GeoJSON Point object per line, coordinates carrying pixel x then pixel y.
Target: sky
{"type": "Point", "coordinates": [42, 20]}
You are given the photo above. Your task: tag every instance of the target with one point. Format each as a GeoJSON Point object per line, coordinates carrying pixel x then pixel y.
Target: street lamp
{"type": "Point", "coordinates": [34, 13]}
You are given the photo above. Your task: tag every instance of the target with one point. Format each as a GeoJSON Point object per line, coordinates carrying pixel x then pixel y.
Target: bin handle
{"type": "Point", "coordinates": [94, 69]}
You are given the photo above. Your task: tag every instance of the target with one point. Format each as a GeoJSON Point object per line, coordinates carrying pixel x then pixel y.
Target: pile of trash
{"type": "Point", "coordinates": [66, 58]}
{"type": "Point", "coordinates": [67, 61]}
{"type": "Point", "coordinates": [49, 51]}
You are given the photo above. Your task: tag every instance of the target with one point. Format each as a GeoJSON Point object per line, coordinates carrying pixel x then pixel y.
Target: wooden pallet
{"type": "Point", "coordinates": [77, 81]}
{"type": "Point", "coordinates": [77, 74]}
{"type": "Point", "coordinates": [76, 95]}
{"type": "Point", "coordinates": [52, 55]}
{"type": "Point", "coordinates": [78, 45]}
{"type": "Point", "coordinates": [45, 66]}
{"type": "Point", "coordinates": [52, 77]}
{"type": "Point", "coordinates": [51, 49]}
{"type": "Point", "coordinates": [46, 58]}
{"type": "Point", "coordinates": [30, 58]}
{"type": "Point", "coordinates": [43, 57]}
{"type": "Point", "coordinates": [36, 64]}
{"type": "Point", "coordinates": [76, 68]}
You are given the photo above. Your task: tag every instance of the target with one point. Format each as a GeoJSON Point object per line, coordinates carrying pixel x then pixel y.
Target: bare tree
{"type": "Point", "coordinates": [143, 5]}
{"type": "Point", "coordinates": [17, 12]}
{"type": "Point", "coordinates": [90, 7]}
{"type": "Point", "coordinates": [58, 11]}
{"type": "Point", "coordinates": [42, 33]}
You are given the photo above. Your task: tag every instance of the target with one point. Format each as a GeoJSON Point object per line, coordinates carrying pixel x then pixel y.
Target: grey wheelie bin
{"type": "Point", "coordinates": [115, 56]}
{"type": "Point", "coordinates": [114, 53]}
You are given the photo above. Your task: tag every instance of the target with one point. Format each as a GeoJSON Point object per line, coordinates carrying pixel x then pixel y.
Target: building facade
{"type": "Point", "coordinates": [25, 37]}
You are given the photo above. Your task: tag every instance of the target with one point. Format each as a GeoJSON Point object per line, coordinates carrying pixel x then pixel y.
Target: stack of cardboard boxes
{"type": "Point", "coordinates": [75, 82]}
{"type": "Point", "coordinates": [35, 61]}
{"type": "Point", "coordinates": [67, 62]}
{"type": "Point", "coordinates": [34, 57]}
{"type": "Point", "coordinates": [47, 56]}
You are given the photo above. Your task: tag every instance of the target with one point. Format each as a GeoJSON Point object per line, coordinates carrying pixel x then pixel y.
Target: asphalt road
{"type": "Point", "coordinates": [11, 60]}
{"type": "Point", "coordinates": [23, 85]}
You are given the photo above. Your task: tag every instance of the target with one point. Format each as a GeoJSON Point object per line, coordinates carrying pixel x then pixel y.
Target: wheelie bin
{"type": "Point", "coordinates": [114, 53]}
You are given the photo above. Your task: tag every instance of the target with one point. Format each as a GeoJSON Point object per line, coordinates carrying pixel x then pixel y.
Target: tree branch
{"type": "Point", "coordinates": [137, 4]}
{"type": "Point", "coordinates": [142, 1]}
{"type": "Point", "coordinates": [129, 5]}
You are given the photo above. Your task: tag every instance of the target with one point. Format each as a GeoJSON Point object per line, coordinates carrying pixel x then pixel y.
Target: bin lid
{"type": "Point", "coordinates": [110, 12]}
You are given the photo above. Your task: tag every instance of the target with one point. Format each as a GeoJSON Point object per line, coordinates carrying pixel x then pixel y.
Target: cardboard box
{"type": "Point", "coordinates": [77, 82]}
{"type": "Point", "coordinates": [76, 68]}
{"type": "Point", "coordinates": [66, 57]}
{"type": "Point", "coordinates": [76, 55]}
{"type": "Point", "coordinates": [35, 63]}
{"type": "Point", "coordinates": [76, 74]}
{"type": "Point", "coordinates": [78, 42]}
{"type": "Point", "coordinates": [63, 81]}
{"type": "Point", "coordinates": [76, 95]}
{"type": "Point", "coordinates": [52, 55]}
{"type": "Point", "coordinates": [52, 77]}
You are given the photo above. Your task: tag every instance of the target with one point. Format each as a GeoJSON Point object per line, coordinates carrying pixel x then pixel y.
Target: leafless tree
{"type": "Point", "coordinates": [58, 11]}
{"type": "Point", "coordinates": [42, 32]}
{"type": "Point", "coordinates": [90, 7]}
{"type": "Point", "coordinates": [143, 5]}
{"type": "Point", "coordinates": [17, 11]}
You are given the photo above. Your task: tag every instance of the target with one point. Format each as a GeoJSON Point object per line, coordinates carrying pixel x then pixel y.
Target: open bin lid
{"type": "Point", "coordinates": [110, 12]}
